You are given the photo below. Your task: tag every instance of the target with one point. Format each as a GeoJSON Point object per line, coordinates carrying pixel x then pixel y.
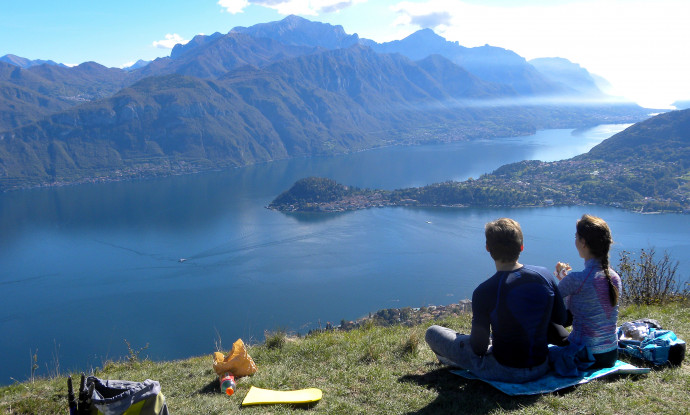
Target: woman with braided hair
{"type": "Point", "coordinates": [591, 295]}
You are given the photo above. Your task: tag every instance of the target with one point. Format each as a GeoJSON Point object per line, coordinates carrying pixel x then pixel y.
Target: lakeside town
{"type": "Point", "coordinates": [523, 184]}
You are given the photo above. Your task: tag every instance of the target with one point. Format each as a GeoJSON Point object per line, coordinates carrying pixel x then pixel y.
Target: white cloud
{"type": "Point", "coordinates": [638, 45]}
{"type": "Point", "coordinates": [286, 7]}
{"type": "Point", "coordinates": [428, 14]}
{"type": "Point", "coordinates": [170, 41]}
{"type": "Point", "coordinates": [233, 6]}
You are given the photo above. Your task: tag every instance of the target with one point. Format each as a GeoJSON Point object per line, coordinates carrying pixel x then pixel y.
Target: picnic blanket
{"type": "Point", "coordinates": [552, 382]}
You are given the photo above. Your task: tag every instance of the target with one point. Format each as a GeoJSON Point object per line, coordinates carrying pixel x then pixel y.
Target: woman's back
{"type": "Point", "coordinates": [587, 297]}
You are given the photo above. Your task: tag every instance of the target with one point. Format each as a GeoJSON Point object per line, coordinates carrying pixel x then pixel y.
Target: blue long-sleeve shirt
{"type": "Point", "coordinates": [514, 309]}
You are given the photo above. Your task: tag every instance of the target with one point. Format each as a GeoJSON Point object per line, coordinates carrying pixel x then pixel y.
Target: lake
{"type": "Point", "coordinates": [86, 267]}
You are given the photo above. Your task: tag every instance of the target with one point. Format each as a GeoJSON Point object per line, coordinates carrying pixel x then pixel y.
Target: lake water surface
{"type": "Point", "coordinates": [82, 268]}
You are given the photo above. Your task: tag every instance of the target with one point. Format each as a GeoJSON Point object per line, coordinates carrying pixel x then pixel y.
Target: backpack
{"type": "Point", "coordinates": [116, 397]}
{"type": "Point", "coordinates": [646, 340]}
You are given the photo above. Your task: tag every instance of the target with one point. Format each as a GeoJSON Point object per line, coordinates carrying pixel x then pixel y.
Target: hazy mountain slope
{"type": "Point", "coordinates": [49, 88]}
{"type": "Point", "coordinates": [568, 74]}
{"type": "Point", "coordinates": [203, 57]}
{"type": "Point", "coordinates": [198, 41]}
{"type": "Point", "coordinates": [308, 119]}
{"type": "Point", "coordinates": [419, 45]}
{"type": "Point", "coordinates": [335, 101]}
{"type": "Point", "coordinates": [24, 62]}
{"type": "Point", "coordinates": [370, 78]}
{"type": "Point", "coordinates": [459, 83]}
{"type": "Point", "coordinates": [27, 95]}
{"type": "Point", "coordinates": [175, 123]}
{"type": "Point", "coordinates": [143, 127]}
{"type": "Point", "coordinates": [88, 79]}
{"type": "Point", "coordinates": [215, 56]}
{"type": "Point", "coordinates": [681, 105]}
{"type": "Point", "coordinates": [662, 138]}
{"type": "Point", "coordinates": [489, 63]}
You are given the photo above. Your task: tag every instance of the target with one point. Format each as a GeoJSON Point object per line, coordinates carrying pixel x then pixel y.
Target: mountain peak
{"type": "Point", "coordinates": [426, 34]}
{"type": "Point", "coordinates": [198, 40]}
{"type": "Point", "coordinates": [298, 31]}
{"type": "Point", "coordinates": [136, 65]}
{"type": "Point", "coordinates": [295, 20]}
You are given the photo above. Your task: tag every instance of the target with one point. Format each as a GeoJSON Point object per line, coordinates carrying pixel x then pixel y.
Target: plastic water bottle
{"type": "Point", "coordinates": [227, 383]}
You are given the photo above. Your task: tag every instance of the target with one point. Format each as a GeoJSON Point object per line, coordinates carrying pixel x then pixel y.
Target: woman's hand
{"type": "Point", "coordinates": [562, 269]}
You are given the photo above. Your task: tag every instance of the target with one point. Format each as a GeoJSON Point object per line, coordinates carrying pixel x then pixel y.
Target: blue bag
{"type": "Point", "coordinates": [647, 341]}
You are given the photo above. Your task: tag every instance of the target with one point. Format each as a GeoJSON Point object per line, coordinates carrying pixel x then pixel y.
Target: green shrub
{"type": "Point", "coordinates": [650, 280]}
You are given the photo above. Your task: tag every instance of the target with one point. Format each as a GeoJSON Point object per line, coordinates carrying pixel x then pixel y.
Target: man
{"type": "Point", "coordinates": [511, 312]}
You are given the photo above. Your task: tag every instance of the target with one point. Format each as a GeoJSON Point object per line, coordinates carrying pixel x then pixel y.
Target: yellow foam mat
{"type": "Point", "coordinates": [258, 396]}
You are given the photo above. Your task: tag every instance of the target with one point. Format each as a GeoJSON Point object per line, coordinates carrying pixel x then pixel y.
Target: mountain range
{"type": "Point", "coordinates": [26, 63]}
{"type": "Point", "coordinates": [272, 91]}
{"type": "Point", "coordinates": [489, 63]}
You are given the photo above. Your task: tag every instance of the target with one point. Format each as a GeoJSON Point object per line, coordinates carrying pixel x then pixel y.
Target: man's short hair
{"type": "Point", "coordinates": [504, 239]}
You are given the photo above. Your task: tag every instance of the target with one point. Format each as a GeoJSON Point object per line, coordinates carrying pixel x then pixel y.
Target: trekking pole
{"type": "Point", "coordinates": [84, 397]}
{"type": "Point", "coordinates": [71, 399]}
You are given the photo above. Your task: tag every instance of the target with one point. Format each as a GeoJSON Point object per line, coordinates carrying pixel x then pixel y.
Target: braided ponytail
{"type": "Point", "coordinates": [597, 236]}
{"type": "Point", "coordinates": [613, 290]}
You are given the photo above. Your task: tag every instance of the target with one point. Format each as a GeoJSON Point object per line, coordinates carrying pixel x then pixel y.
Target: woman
{"type": "Point", "coordinates": [591, 295]}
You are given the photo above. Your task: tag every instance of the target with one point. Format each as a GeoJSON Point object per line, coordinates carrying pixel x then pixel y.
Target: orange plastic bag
{"type": "Point", "coordinates": [238, 362]}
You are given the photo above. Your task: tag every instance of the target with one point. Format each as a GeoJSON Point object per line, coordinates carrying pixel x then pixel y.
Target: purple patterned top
{"type": "Point", "coordinates": [586, 294]}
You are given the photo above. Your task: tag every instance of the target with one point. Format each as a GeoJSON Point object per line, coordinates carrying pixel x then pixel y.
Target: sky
{"type": "Point", "coordinates": [639, 46]}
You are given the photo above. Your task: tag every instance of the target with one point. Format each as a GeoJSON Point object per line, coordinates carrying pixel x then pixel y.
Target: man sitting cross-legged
{"type": "Point", "coordinates": [511, 312]}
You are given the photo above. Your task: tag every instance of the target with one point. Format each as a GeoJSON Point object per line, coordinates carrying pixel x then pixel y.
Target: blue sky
{"type": "Point", "coordinates": [640, 46]}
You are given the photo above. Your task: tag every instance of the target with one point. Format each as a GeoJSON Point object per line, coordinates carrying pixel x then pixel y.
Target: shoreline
{"type": "Point", "coordinates": [408, 316]}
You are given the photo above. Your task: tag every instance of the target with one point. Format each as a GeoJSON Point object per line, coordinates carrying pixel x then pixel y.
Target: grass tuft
{"type": "Point", "coordinates": [371, 354]}
{"type": "Point", "coordinates": [276, 339]}
{"type": "Point", "coordinates": [410, 348]}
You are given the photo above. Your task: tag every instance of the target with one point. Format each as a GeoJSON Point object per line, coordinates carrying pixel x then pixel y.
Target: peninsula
{"type": "Point", "coordinates": [644, 168]}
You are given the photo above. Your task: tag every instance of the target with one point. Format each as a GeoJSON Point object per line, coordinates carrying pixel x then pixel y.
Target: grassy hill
{"type": "Point", "coordinates": [376, 370]}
